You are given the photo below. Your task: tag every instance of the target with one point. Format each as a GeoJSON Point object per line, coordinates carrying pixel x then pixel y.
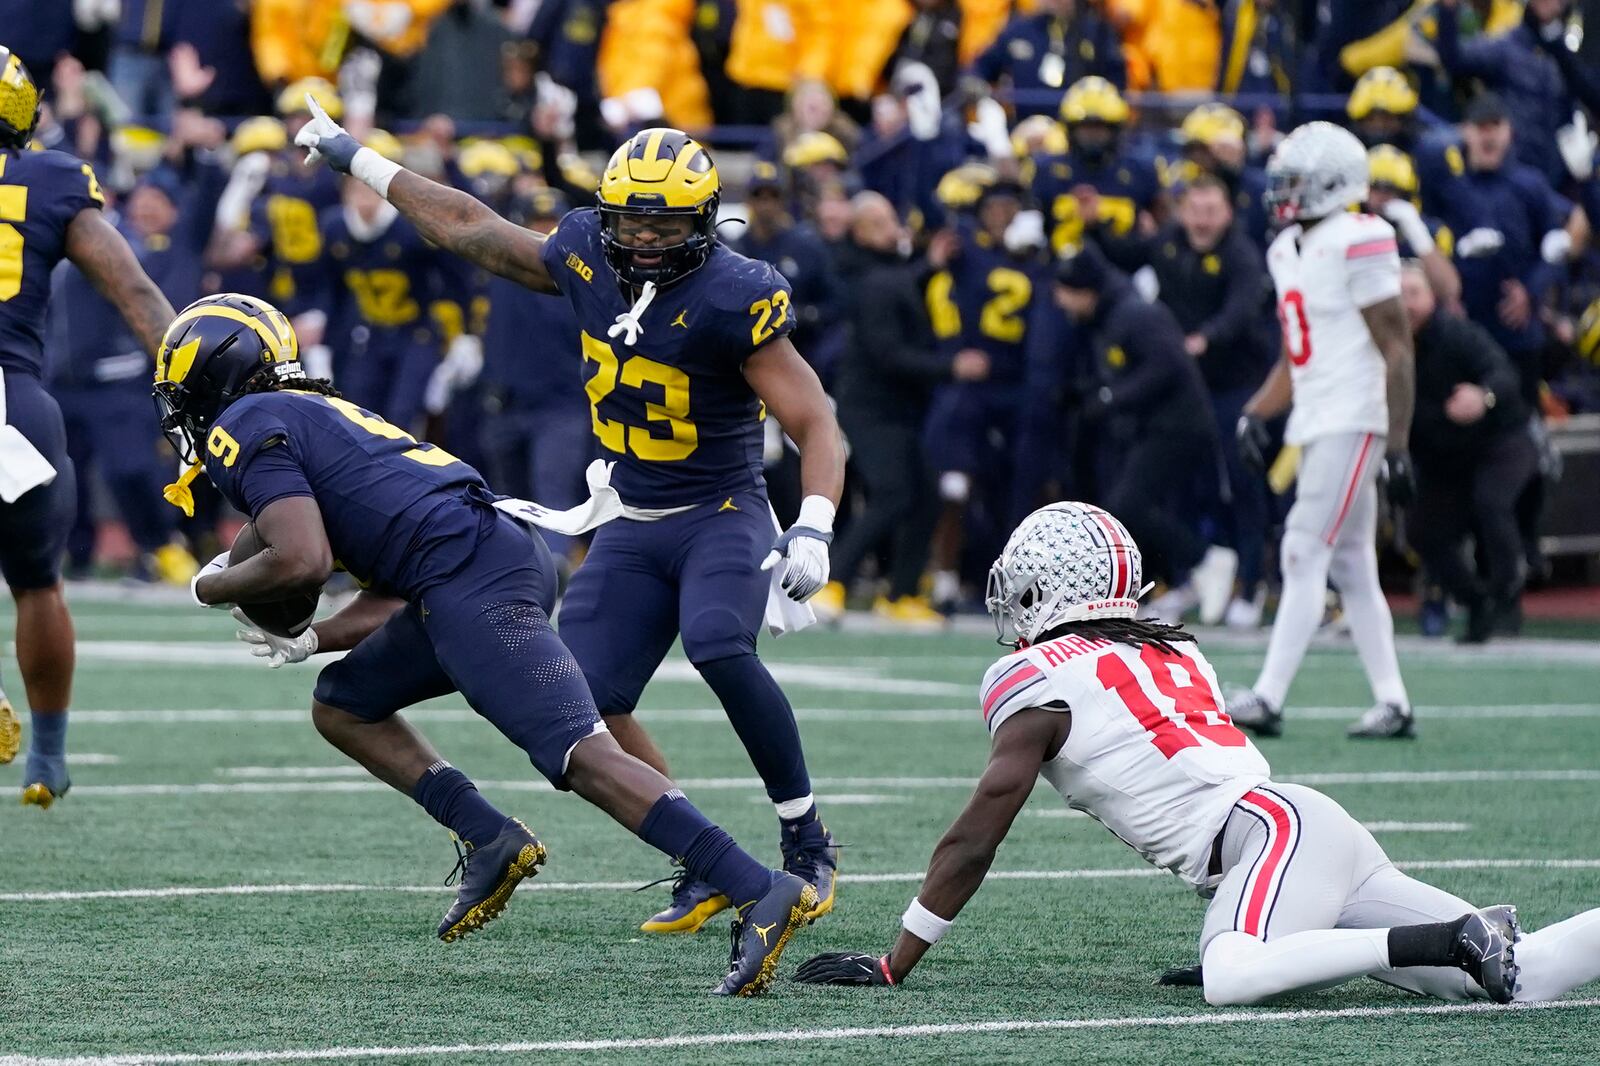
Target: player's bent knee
{"type": "Point", "coordinates": [1232, 971]}
{"type": "Point", "coordinates": [716, 633]}
{"type": "Point", "coordinates": [1305, 555]}
{"type": "Point", "coordinates": [331, 722]}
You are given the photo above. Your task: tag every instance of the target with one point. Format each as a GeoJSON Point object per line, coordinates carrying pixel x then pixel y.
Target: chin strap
{"type": "Point", "coordinates": [627, 323]}
{"type": "Point", "coordinates": [179, 494]}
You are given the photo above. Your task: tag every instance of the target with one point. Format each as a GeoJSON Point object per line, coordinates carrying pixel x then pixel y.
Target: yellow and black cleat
{"type": "Point", "coordinates": [38, 795]}
{"type": "Point", "coordinates": [693, 904]}
{"type": "Point", "coordinates": [811, 853]}
{"type": "Point", "coordinates": [761, 933]}
{"type": "Point", "coordinates": [44, 780]}
{"type": "Point", "coordinates": [488, 877]}
{"type": "Point", "coordinates": [10, 731]}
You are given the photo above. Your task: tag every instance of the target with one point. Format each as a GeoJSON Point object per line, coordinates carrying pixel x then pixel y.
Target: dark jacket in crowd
{"type": "Point", "coordinates": [1218, 294]}
{"type": "Point", "coordinates": [933, 37]}
{"type": "Point", "coordinates": [1138, 348]}
{"type": "Point", "coordinates": [893, 362]}
{"type": "Point", "coordinates": [1451, 351]}
{"type": "Point", "coordinates": [1043, 55]}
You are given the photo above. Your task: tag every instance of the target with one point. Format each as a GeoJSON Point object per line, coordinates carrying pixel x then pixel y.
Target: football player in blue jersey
{"type": "Point", "coordinates": [1095, 182]}
{"type": "Point", "coordinates": [456, 597]}
{"type": "Point", "coordinates": [49, 210]}
{"type": "Point", "coordinates": [686, 349]}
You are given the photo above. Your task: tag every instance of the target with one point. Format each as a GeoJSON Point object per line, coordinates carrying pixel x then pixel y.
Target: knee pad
{"type": "Point", "coordinates": [716, 631]}
{"type": "Point", "coordinates": [1305, 555]}
{"type": "Point", "coordinates": [1229, 966]}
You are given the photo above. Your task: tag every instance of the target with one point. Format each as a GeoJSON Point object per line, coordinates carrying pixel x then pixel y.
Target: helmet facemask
{"type": "Point", "coordinates": [676, 261]}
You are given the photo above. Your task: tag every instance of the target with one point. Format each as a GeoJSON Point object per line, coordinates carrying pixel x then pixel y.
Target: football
{"type": "Point", "coordinates": [283, 618]}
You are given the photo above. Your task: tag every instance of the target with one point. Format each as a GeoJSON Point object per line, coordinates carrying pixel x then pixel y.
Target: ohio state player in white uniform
{"type": "Point", "coordinates": [1347, 369]}
{"type": "Point", "coordinates": [1125, 719]}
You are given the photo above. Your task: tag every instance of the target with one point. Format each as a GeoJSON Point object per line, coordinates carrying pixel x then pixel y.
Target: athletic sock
{"type": "Point", "coordinates": [1431, 944]}
{"type": "Point", "coordinates": [761, 715]}
{"type": "Point", "coordinates": [677, 828]}
{"type": "Point", "coordinates": [797, 813]}
{"type": "Point", "coordinates": [450, 797]}
{"type": "Point", "coordinates": [49, 735]}
{"type": "Point", "coordinates": [1305, 582]}
{"type": "Point", "coordinates": [1372, 631]}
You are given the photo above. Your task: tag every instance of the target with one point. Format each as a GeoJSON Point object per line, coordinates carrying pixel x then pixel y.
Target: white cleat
{"type": "Point", "coordinates": [1243, 614]}
{"type": "Point", "coordinates": [1213, 582]}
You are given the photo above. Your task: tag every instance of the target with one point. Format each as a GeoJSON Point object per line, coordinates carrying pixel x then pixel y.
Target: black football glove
{"type": "Point", "coordinates": [1399, 480]}
{"type": "Point", "coordinates": [1254, 438]}
{"type": "Point", "coordinates": [845, 968]}
{"type": "Point", "coordinates": [1182, 977]}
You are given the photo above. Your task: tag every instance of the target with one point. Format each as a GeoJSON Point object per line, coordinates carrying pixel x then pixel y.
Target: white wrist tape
{"type": "Point", "coordinates": [922, 923]}
{"type": "Point", "coordinates": [817, 512]}
{"type": "Point", "coordinates": [371, 168]}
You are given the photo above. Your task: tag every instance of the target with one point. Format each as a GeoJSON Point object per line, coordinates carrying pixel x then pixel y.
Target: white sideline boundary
{"type": "Point", "coordinates": [538, 885]}
{"type": "Point", "coordinates": [793, 1036]}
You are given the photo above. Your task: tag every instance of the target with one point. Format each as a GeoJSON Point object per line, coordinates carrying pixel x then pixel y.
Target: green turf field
{"type": "Point", "coordinates": [220, 886]}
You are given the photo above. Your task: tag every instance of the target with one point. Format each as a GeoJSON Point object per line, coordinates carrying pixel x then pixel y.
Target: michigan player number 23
{"type": "Point", "coordinates": [636, 373]}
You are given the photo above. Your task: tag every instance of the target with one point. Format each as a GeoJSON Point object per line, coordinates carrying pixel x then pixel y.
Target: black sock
{"type": "Point", "coordinates": [454, 802]}
{"type": "Point", "coordinates": [1433, 944]}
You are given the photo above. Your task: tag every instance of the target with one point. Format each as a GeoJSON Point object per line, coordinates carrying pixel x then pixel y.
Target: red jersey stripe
{"type": "Point", "coordinates": [1027, 672]}
{"type": "Point", "coordinates": [1376, 247]}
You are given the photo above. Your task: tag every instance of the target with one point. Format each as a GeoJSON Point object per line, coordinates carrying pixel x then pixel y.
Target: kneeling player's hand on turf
{"type": "Point", "coordinates": [802, 549]}
{"type": "Point", "coordinates": [215, 566]}
{"type": "Point", "coordinates": [271, 647]}
{"type": "Point", "coordinates": [326, 139]}
{"type": "Point", "coordinates": [845, 968]}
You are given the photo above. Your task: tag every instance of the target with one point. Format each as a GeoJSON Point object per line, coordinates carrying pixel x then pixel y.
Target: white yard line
{"type": "Point", "coordinates": [541, 885]}
{"type": "Point", "coordinates": [308, 780]}
{"type": "Point", "coordinates": [795, 1036]}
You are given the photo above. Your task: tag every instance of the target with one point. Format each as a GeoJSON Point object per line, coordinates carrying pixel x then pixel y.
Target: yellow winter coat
{"type": "Point", "coordinates": [778, 42]}
{"type": "Point", "coordinates": [646, 45]}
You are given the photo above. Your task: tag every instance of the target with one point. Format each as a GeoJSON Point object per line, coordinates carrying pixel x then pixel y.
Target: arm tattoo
{"type": "Point", "coordinates": [461, 224]}
{"type": "Point", "coordinates": [96, 248]}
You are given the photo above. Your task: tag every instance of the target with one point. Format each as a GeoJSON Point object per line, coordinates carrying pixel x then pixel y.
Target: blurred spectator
{"type": "Point", "coordinates": [866, 33]}
{"type": "Point", "coordinates": [567, 34]}
{"type": "Point", "coordinates": [1511, 236]}
{"type": "Point", "coordinates": [38, 33]}
{"type": "Point", "coordinates": [458, 70]}
{"type": "Point", "coordinates": [1213, 280]}
{"type": "Point", "coordinates": [1515, 65]}
{"type": "Point", "coordinates": [1039, 55]}
{"type": "Point", "coordinates": [777, 44]}
{"type": "Point", "coordinates": [1172, 45]}
{"type": "Point", "coordinates": [1096, 183]}
{"type": "Point", "coordinates": [648, 69]}
{"type": "Point", "coordinates": [771, 234]}
{"type": "Point", "coordinates": [1146, 406]}
{"type": "Point", "coordinates": [1355, 35]}
{"type": "Point", "coordinates": [535, 431]}
{"type": "Point", "coordinates": [896, 162]}
{"type": "Point", "coordinates": [294, 39]}
{"type": "Point", "coordinates": [1259, 48]}
{"type": "Point", "coordinates": [813, 109]}
{"type": "Point", "coordinates": [1212, 140]}
{"type": "Point", "coordinates": [1382, 109]}
{"type": "Point", "coordinates": [1393, 193]}
{"type": "Point", "coordinates": [933, 38]}
{"type": "Point", "coordinates": [1474, 458]}
{"type": "Point", "coordinates": [210, 63]}
{"type": "Point", "coordinates": [138, 66]}
{"type": "Point", "coordinates": [989, 269]}
{"type": "Point", "coordinates": [883, 388]}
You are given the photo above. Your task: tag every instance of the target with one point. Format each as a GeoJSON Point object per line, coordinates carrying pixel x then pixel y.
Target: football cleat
{"type": "Point", "coordinates": [44, 780]}
{"type": "Point", "coordinates": [173, 564]}
{"type": "Point", "coordinates": [811, 853]}
{"type": "Point", "coordinates": [693, 904]}
{"type": "Point", "coordinates": [489, 874]}
{"type": "Point", "coordinates": [1384, 721]}
{"type": "Point", "coordinates": [762, 931]}
{"type": "Point", "coordinates": [10, 731]}
{"type": "Point", "coordinates": [1487, 943]}
{"type": "Point", "coordinates": [1249, 710]}
{"type": "Point", "coordinates": [908, 611]}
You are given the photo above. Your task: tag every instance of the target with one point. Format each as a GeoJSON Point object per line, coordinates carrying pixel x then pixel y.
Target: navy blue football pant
{"type": "Point", "coordinates": [33, 529]}
{"type": "Point", "coordinates": [540, 455]}
{"type": "Point", "coordinates": [485, 632]}
{"type": "Point", "coordinates": [1234, 505]}
{"type": "Point", "coordinates": [696, 574]}
{"type": "Point", "coordinates": [112, 428]}
{"type": "Point", "coordinates": [389, 375]}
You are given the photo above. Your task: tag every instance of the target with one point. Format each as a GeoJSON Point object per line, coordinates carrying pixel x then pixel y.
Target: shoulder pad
{"type": "Point", "coordinates": [737, 281]}
{"type": "Point", "coordinates": [1009, 685]}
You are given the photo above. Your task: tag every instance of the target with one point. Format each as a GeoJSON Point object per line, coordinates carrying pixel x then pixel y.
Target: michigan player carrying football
{"type": "Point", "coordinates": [1348, 371]}
{"type": "Point", "coordinates": [684, 342]}
{"type": "Point", "coordinates": [323, 479]}
{"type": "Point", "coordinates": [49, 210]}
{"type": "Point", "coordinates": [1125, 720]}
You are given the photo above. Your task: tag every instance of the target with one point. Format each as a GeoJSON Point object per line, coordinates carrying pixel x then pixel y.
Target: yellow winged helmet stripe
{"type": "Point", "coordinates": [275, 331]}
{"type": "Point", "coordinates": [177, 367]}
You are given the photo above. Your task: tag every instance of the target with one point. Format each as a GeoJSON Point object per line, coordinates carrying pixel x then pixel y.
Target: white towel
{"type": "Point", "coordinates": [22, 466]}
{"type": "Point", "coordinates": [601, 507]}
{"type": "Point", "coordinates": [784, 615]}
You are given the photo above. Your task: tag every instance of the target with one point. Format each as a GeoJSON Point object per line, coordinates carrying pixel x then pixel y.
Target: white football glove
{"type": "Point", "coordinates": [215, 566]}
{"type": "Point", "coordinates": [803, 550]}
{"type": "Point", "coordinates": [1577, 144]}
{"type": "Point", "coordinates": [1481, 241]}
{"type": "Point", "coordinates": [1025, 232]}
{"type": "Point", "coordinates": [275, 649]}
{"type": "Point", "coordinates": [1408, 220]}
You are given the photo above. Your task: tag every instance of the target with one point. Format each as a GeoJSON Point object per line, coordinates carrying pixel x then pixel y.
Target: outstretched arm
{"type": "Point", "coordinates": [464, 225]}
{"type": "Point", "coordinates": [97, 249]}
{"type": "Point", "coordinates": [448, 217]}
{"type": "Point", "coordinates": [962, 858]}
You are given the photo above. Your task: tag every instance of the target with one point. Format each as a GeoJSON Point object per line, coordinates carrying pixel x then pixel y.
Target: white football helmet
{"type": "Point", "coordinates": [1319, 169]}
{"type": "Point", "coordinates": [1066, 562]}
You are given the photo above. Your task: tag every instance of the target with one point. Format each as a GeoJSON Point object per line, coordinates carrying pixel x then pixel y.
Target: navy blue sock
{"type": "Point", "coordinates": [49, 732]}
{"type": "Point", "coordinates": [762, 717]}
{"type": "Point", "coordinates": [676, 827]}
{"type": "Point", "coordinates": [455, 803]}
